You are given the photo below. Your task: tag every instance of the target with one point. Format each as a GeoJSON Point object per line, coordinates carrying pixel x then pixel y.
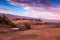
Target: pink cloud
{"type": "Point", "coordinates": [38, 3]}
{"type": "Point", "coordinates": [5, 10]}
{"type": "Point", "coordinates": [39, 8]}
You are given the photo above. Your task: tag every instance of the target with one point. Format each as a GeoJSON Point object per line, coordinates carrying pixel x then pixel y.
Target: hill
{"type": "Point", "coordinates": [10, 16]}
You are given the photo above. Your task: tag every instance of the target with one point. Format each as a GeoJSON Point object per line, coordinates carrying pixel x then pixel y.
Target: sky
{"type": "Point", "coordinates": [45, 9]}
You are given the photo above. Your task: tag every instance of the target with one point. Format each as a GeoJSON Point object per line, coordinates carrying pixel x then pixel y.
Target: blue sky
{"type": "Point", "coordinates": [55, 2]}
{"type": "Point", "coordinates": [48, 9]}
{"type": "Point", "coordinates": [6, 4]}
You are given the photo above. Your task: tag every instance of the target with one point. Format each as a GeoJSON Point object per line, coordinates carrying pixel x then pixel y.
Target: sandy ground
{"type": "Point", "coordinates": [33, 34]}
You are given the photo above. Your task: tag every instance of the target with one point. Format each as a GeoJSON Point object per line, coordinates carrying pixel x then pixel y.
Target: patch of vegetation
{"type": "Point", "coordinates": [27, 26]}
{"type": "Point", "coordinates": [57, 38]}
{"type": "Point", "coordinates": [18, 19]}
{"type": "Point", "coordinates": [54, 26]}
{"type": "Point", "coordinates": [30, 36]}
{"type": "Point", "coordinates": [5, 20]}
{"type": "Point", "coordinates": [57, 26]}
{"type": "Point", "coordinates": [37, 23]}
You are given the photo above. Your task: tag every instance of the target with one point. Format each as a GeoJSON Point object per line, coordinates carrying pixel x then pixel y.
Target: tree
{"type": "Point", "coordinates": [0, 20]}
{"type": "Point", "coordinates": [5, 20]}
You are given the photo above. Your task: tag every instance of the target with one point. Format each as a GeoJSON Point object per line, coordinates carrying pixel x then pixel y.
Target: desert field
{"type": "Point", "coordinates": [37, 34]}
{"type": "Point", "coordinates": [38, 31]}
{"type": "Point", "coordinates": [29, 19]}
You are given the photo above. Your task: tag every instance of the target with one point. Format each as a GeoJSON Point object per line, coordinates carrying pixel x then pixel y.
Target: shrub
{"type": "Point", "coordinates": [37, 24]}
{"type": "Point", "coordinates": [18, 19]}
{"type": "Point", "coordinates": [27, 26]}
{"type": "Point", "coordinates": [0, 19]}
{"type": "Point", "coordinates": [5, 20]}
{"type": "Point", "coordinates": [13, 25]}
{"type": "Point", "coordinates": [57, 38]}
{"type": "Point", "coordinates": [57, 26]}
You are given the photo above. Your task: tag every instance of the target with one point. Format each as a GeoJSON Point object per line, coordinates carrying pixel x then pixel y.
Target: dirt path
{"type": "Point", "coordinates": [42, 34]}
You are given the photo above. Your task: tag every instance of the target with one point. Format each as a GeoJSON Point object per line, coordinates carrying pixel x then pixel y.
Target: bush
{"type": "Point", "coordinates": [27, 26]}
{"type": "Point", "coordinates": [5, 20]}
{"type": "Point", "coordinates": [57, 26]}
{"type": "Point", "coordinates": [18, 19]}
{"type": "Point", "coordinates": [37, 24]}
{"type": "Point", "coordinates": [13, 25]}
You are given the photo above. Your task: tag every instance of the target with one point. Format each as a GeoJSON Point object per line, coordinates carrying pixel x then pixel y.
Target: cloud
{"type": "Point", "coordinates": [36, 3]}
{"type": "Point", "coordinates": [55, 10]}
{"type": "Point", "coordinates": [38, 8]}
{"type": "Point", "coordinates": [5, 10]}
{"type": "Point", "coordinates": [2, 8]}
{"type": "Point", "coordinates": [42, 14]}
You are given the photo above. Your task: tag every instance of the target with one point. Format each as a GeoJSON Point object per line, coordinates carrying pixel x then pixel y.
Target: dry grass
{"type": "Point", "coordinates": [41, 34]}
{"type": "Point", "coordinates": [38, 32]}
